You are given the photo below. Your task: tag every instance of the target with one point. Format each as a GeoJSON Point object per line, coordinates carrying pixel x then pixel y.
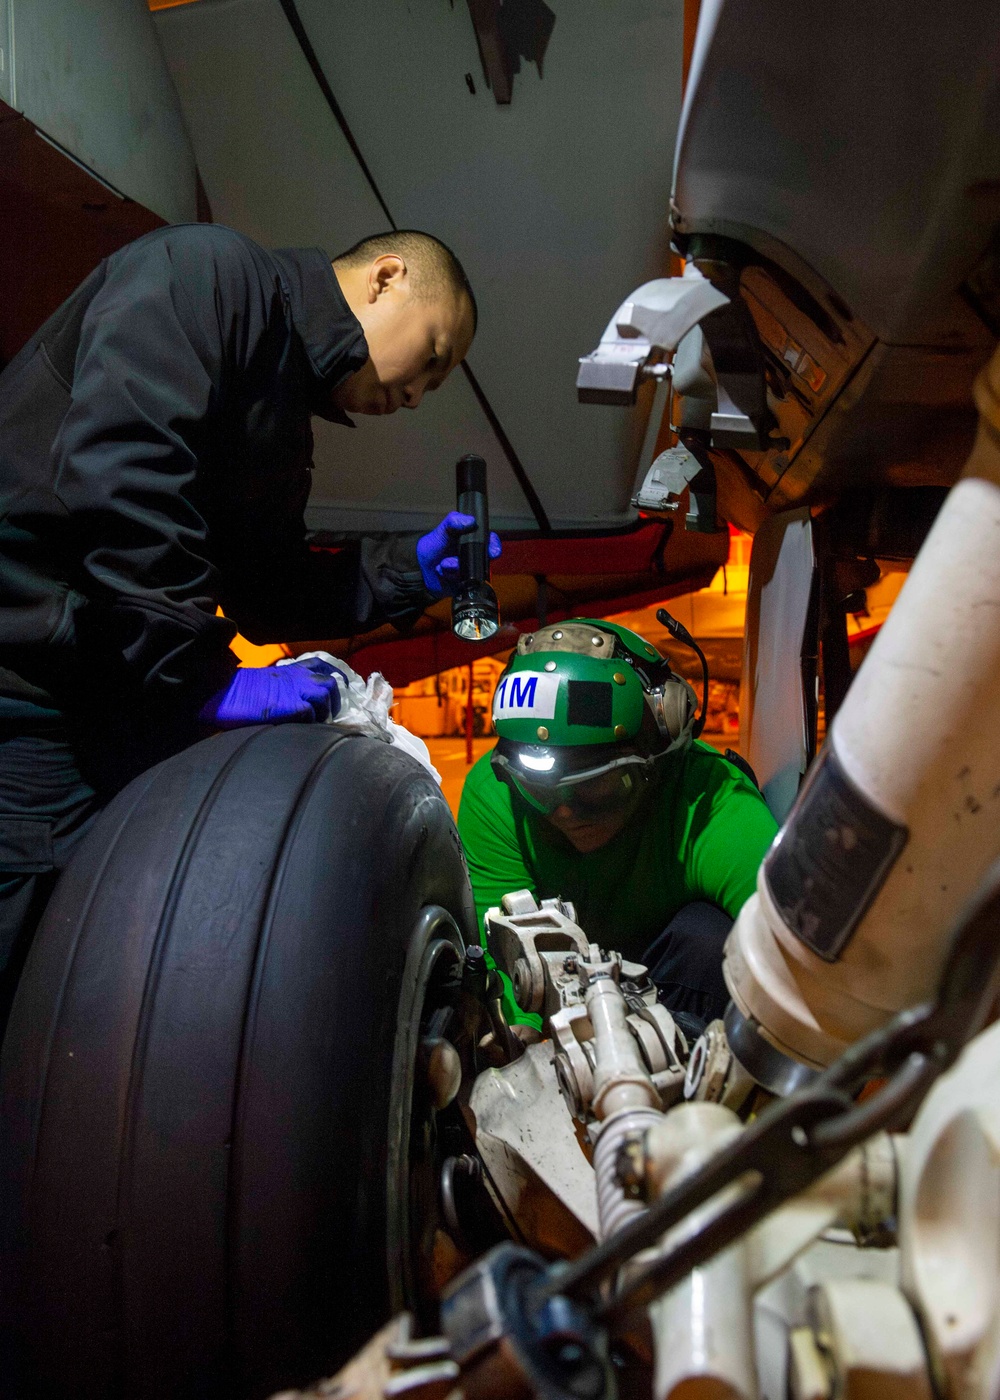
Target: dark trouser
{"type": "Point", "coordinates": [685, 962]}
{"type": "Point", "coordinates": [45, 808]}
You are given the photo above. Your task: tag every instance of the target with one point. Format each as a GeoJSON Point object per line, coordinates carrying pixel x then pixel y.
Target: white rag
{"type": "Point", "coordinates": [364, 709]}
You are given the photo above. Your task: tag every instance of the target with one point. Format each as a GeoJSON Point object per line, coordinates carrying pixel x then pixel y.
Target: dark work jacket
{"type": "Point", "coordinates": [155, 456]}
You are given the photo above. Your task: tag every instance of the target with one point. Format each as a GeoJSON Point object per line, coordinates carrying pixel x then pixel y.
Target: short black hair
{"type": "Point", "coordinates": [435, 266]}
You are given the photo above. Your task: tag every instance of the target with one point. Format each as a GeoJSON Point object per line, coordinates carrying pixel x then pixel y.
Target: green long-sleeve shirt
{"type": "Point", "coordinates": [700, 834]}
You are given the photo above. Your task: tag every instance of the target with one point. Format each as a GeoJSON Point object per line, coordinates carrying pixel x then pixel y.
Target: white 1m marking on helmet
{"type": "Point", "coordinates": [526, 694]}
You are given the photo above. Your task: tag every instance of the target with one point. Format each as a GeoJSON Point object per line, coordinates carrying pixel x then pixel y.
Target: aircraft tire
{"type": "Point", "coordinates": [198, 1078]}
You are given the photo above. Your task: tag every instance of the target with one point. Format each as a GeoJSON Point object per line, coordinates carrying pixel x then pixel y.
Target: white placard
{"type": "Point", "coordinates": [526, 695]}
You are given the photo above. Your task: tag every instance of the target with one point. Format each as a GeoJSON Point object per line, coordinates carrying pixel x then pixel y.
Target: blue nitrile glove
{"type": "Point", "coordinates": [436, 552]}
{"type": "Point", "coordinates": [302, 693]}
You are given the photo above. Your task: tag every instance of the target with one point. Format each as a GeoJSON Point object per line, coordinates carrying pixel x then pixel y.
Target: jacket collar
{"type": "Point", "coordinates": [331, 334]}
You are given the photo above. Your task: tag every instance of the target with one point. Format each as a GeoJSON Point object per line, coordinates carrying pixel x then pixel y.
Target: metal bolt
{"type": "Point", "coordinates": [620, 731]}
{"type": "Point", "coordinates": [568, 1085]}
{"type": "Point", "coordinates": [521, 983]}
{"type": "Point", "coordinates": [597, 641]}
{"type": "Point", "coordinates": [442, 1068]}
{"type": "Point", "coordinates": [557, 636]}
{"type": "Point", "coordinates": [550, 665]}
{"type": "Point", "coordinates": [543, 733]}
{"type": "Point", "coordinates": [618, 678]}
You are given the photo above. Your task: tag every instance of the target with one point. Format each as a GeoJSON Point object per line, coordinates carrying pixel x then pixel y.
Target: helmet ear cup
{"type": "Point", "coordinates": [674, 705]}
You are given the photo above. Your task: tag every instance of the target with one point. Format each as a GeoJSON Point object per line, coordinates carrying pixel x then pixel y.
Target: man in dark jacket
{"type": "Point", "coordinates": [155, 456]}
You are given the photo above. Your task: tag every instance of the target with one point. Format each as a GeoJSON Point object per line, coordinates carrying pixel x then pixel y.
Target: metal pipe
{"type": "Point", "coordinates": [702, 1328]}
{"type": "Point", "coordinates": [625, 1099]}
{"type": "Point", "coordinates": [621, 1080]}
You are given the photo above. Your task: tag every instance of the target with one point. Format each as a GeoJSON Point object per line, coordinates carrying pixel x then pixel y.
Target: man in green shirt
{"type": "Point", "coordinates": [598, 792]}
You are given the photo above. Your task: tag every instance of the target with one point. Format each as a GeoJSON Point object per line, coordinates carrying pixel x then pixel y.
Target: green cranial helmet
{"type": "Point", "coordinates": [582, 712]}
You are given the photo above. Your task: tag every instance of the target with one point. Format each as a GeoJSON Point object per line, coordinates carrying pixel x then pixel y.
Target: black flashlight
{"type": "Point", "coordinates": [475, 614]}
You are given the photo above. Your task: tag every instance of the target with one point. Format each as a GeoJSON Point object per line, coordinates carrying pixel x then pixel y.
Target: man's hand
{"type": "Point", "coordinates": [437, 552]}
{"type": "Point", "coordinates": [303, 693]}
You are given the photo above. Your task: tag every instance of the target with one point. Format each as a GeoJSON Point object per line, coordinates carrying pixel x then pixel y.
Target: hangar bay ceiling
{"type": "Point", "coordinates": [553, 202]}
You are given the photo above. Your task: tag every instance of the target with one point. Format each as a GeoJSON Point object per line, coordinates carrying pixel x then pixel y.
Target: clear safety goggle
{"type": "Point", "coordinates": [591, 793]}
